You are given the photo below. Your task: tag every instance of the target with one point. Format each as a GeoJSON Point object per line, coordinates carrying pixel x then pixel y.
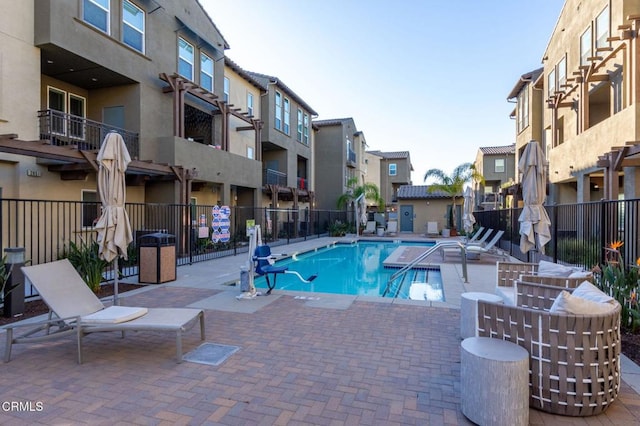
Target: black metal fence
{"type": "Point", "coordinates": [45, 229]}
{"type": "Point", "coordinates": [579, 232]}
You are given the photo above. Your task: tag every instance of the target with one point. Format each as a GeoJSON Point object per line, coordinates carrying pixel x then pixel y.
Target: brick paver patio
{"type": "Point", "coordinates": [371, 363]}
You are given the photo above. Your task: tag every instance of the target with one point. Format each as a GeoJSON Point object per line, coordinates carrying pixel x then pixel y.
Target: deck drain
{"type": "Point", "coordinates": [211, 353]}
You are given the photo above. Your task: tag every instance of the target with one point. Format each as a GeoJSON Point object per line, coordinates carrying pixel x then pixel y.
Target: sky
{"type": "Point", "coordinates": [426, 76]}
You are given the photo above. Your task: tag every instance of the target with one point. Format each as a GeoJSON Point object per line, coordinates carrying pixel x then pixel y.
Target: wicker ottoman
{"type": "Point", "coordinates": [494, 382]}
{"type": "Point", "coordinates": [469, 311]}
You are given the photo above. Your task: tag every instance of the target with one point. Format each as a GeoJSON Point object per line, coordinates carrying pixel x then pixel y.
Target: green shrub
{"type": "Point", "coordinates": [85, 259]}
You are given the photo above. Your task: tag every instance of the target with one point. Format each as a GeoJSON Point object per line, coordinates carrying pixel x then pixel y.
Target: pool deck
{"type": "Point", "coordinates": [303, 359]}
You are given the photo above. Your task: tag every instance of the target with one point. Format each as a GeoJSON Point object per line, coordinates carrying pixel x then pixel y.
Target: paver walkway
{"type": "Point", "coordinates": [301, 362]}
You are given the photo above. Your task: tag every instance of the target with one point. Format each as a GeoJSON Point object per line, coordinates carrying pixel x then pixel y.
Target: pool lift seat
{"type": "Point", "coordinates": [263, 259]}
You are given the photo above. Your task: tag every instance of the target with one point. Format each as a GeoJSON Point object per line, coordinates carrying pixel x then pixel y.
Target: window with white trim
{"type": "Point", "coordinates": [393, 169]}
{"type": "Point", "coordinates": [585, 47]}
{"type": "Point", "coordinates": [523, 109]}
{"type": "Point", "coordinates": [602, 29]}
{"type": "Point", "coordinates": [133, 23]}
{"type": "Point", "coordinates": [185, 58]}
{"type": "Point", "coordinates": [551, 83]}
{"type": "Point", "coordinates": [299, 126]}
{"type": "Point", "coordinates": [206, 72]}
{"type": "Point", "coordinates": [287, 114]}
{"type": "Point", "coordinates": [97, 13]}
{"type": "Point", "coordinates": [499, 165]}
{"type": "Point", "coordinates": [227, 89]}
{"type": "Point", "coordinates": [250, 152]}
{"type": "Point", "coordinates": [77, 114]}
{"type": "Point", "coordinates": [305, 129]}
{"type": "Point", "coordinates": [250, 104]}
{"type": "Point", "coordinates": [278, 111]}
{"type": "Point", "coordinates": [57, 101]}
{"type": "Point", "coordinates": [562, 73]}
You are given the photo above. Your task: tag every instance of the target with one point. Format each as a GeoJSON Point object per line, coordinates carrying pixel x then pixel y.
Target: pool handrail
{"type": "Point", "coordinates": [420, 258]}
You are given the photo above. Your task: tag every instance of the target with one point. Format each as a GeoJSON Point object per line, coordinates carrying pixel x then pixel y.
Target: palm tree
{"type": "Point", "coordinates": [453, 184]}
{"type": "Point", "coordinates": [370, 190]}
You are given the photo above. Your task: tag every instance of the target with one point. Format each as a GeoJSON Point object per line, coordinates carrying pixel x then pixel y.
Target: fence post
{"type": "Point", "coordinates": [554, 237]}
{"type": "Point", "coordinates": [603, 237]}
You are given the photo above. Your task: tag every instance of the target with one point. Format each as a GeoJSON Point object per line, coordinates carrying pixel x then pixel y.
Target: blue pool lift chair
{"type": "Point", "coordinates": [263, 257]}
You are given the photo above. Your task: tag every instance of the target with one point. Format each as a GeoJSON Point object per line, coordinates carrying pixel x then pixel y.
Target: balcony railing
{"type": "Point", "coordinates": [351, 157]}
{"type": "Point", "coordinates": [274, 177]}
{"type": "Point", "coordinates": [63, 129]}
{"type": "Point", "coordinates": [303, 183]}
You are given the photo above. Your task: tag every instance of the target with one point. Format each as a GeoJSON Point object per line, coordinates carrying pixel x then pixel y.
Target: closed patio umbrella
{"type": "Point", "coordinates": [114, 229]}
{"type": "Point", "coordinates": [468, 219]}
{"type": "Point", "coordinates": [535, 225]}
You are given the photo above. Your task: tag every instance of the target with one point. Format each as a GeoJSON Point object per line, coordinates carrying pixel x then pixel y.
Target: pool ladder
{"type": "Point", "coordinates": [406, 268]}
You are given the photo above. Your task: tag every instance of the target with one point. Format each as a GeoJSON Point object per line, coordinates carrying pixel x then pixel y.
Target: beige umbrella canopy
{"type": "Point", "coordinates": [114, 229]}
{"type": "Point", "coordinates": [535, 226]}
{"type": "Point", "coordinates": [468, 219]}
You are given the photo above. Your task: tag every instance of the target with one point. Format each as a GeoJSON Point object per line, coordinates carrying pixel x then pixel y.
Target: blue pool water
{"type": "Point", "coordinates": [354, 269]}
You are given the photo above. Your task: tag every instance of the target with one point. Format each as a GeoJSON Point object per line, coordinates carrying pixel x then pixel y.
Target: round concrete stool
{"type": "Point", "coordinates": [469, 311]}
{"type": "Point", "coordinates": [494, 382]}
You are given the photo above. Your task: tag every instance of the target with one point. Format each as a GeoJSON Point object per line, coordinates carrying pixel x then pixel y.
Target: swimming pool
{"type": "Point", "coordinates": [356, 269]}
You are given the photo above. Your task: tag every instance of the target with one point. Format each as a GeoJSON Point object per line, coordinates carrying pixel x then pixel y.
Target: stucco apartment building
{"type": "Point", "coordinates": [153, 71]}
{"type": "Point", "coordinates": [339, 154]}
{"type": "Point", "coordinates": [497, 165]}
{"type": "Point", "coordinates": [583, 107]}
{"type": "Point", "coordinates": [395, 171]}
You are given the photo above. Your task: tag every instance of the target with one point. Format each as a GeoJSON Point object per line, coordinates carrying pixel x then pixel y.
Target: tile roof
{"type": "Point", "coordinates": [391, 155]}
{"type": "Point", "coordinates": [331, 122]}
{"type": "Point", "coordinates": [498, 150]}
{"type": "Point", "coordinates": [244, 74]}
{"type": "Point", "coordinates": [529, 77]}
{"type": "Point", "coordinates": [419, 191]}
{"type": "Point", "coordinates": [265, 80]}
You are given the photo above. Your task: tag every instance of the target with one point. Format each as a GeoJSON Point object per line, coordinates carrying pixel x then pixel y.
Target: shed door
{"type": "Point", "coordinates": [406, 218]}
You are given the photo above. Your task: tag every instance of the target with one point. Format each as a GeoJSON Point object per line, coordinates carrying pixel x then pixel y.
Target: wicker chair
{"type": "Point", "coordinates": [574, 359]}
{"type": "Point", "coordinates": [508, 273]}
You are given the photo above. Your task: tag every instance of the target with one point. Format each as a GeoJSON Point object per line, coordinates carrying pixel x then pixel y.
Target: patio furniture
{"type": "Point", "coordinates": [475, 251]}
{"type": "Point", "coordinates": [392, 227]}
{"type": "Point", "coordinates": [574, 357]}
{"type": "Point", "coordinates": [478, 232]}
{"type": "Point", "coordinates": [370, 228]}
{"type": "Point", "coordinates": [479, 238]}
{"type": "Point", "coordinates": [469, 311]}
{"type": "Point", "coordinates": [508, 273]}
{"type": "Point", "coordinates": [494, 382]}
{"type": "Point", "coordinates": [75, 309]}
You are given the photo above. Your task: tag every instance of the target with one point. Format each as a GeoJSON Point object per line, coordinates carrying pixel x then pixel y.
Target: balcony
{"type": "Point", "coordinates": [62, 129]}
{"type": "Point", "coordinates": [351, 158]}
{"type": "Point", "coordinates": [274, 177]}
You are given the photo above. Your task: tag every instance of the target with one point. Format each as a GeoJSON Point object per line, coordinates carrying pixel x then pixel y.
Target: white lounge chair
{"type": "Point", "coordinates": [476, 235]}
{"type": "Point", "coordinates": [481, 240]}
{"type": "Point", "coordinates": [370, 228]}
{"type": "Point", "coordinates": [392, 227]}
{"type": "Point", "coordinates": [74, 308]}
{"type": "Point", "coordinates": [474, 251]}
{"type": "Point", "coordinates": [432, 228]}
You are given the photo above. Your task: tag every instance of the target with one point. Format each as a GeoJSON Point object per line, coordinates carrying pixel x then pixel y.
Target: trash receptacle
{"type": "Point", "coordinates": [157, 258]}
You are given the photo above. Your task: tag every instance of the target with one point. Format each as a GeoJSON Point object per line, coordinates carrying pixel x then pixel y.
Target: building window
{"type": "Point", "coordinates": [523, 109]}
{"type": "Point", "coordinates": [278, 111]}
{"type": "Point", "coordinates": [77, 119]}
{"type": "Point", "coordinates": [250, 152]}
{"type": "Point", "coordinates": [499, 165]}
{"type": "Point", "coordinates": [96, 13]}
{"type": "Point", "coordinates": [185, 59]}
{"type": "Point", "coordinates": [393, 169]}
{"type": "Point", "coordinates": [616, 91]}
{"type": "Point", "coordinates": [585, 47]}
{"type": "Point", "coordinates": [57, 101]}
{"type": "Point", "coordinates": [206, 72]}
{"type": "Point", "coordinates": [133, 26]}
{"type": "Point", "coordinates": [602, 29]}
{"type": "Point", "coordinates": [562, 74]}
{"type": "Point", "coordinates": [299, 126]}
{"type": "Point", "coordinates": [250, 104]}
{"type": "Point", "coordinates": [551, 83]}
{"type": "Point", "coordinates": [90, 212]}
{"type": "Point", "coordinates": [227, 90]}
{"type": "Point", "coordinates": [287, 114]}
{"type": "Point", "coordinates": [305, 137]}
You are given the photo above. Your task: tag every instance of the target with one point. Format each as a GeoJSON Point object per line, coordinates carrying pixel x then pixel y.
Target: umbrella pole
{"type": "Point", "coordinates": [115, 281]}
